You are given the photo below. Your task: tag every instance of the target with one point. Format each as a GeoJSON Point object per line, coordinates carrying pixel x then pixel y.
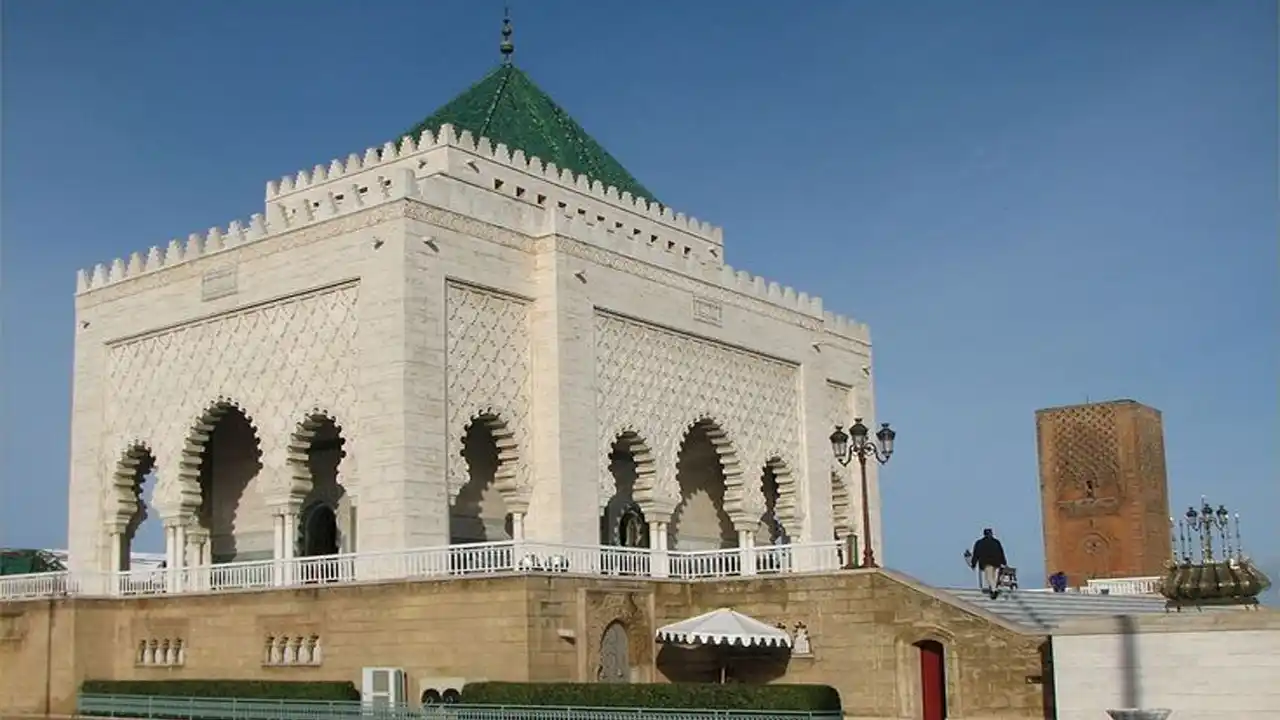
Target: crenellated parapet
{"type": "Point", "coordinates": [573, 206]}
{"type": "Point", "coordinates": [411, 151]}
{"type": "Point", "coordinates": [259, 227]}
{"type": "Point", "coordinates": [681, 260]}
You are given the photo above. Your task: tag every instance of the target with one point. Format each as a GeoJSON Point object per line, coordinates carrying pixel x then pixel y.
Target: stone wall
{"type": "Point", "coordinates": [862, 625]}
{"type": "Point", "coordinates": [1203, 667]}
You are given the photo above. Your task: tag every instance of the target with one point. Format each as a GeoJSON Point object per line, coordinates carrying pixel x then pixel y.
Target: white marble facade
{"type": "Point", "coordinates": [445, 341]}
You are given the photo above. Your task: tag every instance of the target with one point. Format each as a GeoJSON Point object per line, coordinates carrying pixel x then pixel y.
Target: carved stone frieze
{"type": "Point", "coordinates": [276, 362]}
{"type": "Point", "coordinates": [488, 379]}
{"type": "Point", "coordinates": [471, 227]}
{"type": "Point", "coordinates": [670, 278]}
{"type": "Point", "coordinates": [658, 383]}
{"type": "Point", "coordinates": [270, 245]}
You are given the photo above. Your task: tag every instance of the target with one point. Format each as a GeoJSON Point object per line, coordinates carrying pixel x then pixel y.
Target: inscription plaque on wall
{"type": "Point", "coordinates": [707, 311]}
{"type": "Point", "coordinates": [218, 283]}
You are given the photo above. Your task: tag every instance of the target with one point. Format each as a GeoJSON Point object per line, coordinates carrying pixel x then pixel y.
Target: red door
{"type": "Point", "coordinates": [933, 681]}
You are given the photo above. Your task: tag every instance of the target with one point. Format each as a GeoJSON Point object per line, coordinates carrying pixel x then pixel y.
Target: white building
{"type": "Point", "coordinates": [482, 331]}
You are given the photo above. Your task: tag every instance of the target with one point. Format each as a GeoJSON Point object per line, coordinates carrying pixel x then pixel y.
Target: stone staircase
{"type": "Point", "coordinates": [1044, 611]}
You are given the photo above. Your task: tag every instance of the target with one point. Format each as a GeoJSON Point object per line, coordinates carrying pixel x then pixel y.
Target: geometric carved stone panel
{"type": "Point", "coordinates": [277, 361]}
{"type": "Point", "coordinates": [488, 372]}
{"type": "Point", "coordinates": [658, 382]}
{"type": "Point", "coordinates": [1087, 452]}
{"type": "Point", "coordinates": [839, 402]}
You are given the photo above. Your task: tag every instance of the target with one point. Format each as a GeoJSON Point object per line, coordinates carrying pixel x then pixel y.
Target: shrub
{"type": "Point", "coordinates": [800, 698]}
{"type": "Point", "coordinates": [322, 691]}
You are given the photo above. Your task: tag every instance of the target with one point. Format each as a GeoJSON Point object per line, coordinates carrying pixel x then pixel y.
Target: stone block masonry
{"type": "Point", "coordinates": [864, 629]}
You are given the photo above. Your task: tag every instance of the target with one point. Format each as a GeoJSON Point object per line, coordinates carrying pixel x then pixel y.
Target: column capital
{"type": "Point", "coordinates": [285, 508]}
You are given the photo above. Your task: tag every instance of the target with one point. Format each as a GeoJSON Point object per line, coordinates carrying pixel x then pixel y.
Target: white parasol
{"type": "Point", "coordinates": [724, 627]}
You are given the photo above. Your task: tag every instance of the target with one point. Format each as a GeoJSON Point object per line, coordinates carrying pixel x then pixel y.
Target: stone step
{"type": "Point", "coordinates": [1045, 611]}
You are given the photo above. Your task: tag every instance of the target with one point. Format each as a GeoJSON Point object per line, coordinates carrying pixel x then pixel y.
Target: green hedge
{"type": "Point", "coordinates": [802, 698]}
{"type": "Point", "coordinates": [326, 691]}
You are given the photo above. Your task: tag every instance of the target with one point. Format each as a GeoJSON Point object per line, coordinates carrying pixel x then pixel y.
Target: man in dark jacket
{"type": "Point", "coordinates": [988, 556]}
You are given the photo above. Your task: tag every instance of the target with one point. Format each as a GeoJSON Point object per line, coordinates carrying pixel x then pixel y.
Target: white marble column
{"type": "Point", "coordinates": [117, 549]}
{"type": "Point", "coordinates": [290, 534]}
{"type": "Point", "coordinates": [277, 548]}
{"type": "Point", "coordinates": [747, 552]}
{"type": "Point", "coordinates": [173, 551]}
{"type": "Point", "coordinates": [660, 566]}
{"type": "Point", "coordinates": [284, 528]}
{"type": "Point", "coordinates": [197, 564]}
{"type": "Point", "coordinates": [179, 568]}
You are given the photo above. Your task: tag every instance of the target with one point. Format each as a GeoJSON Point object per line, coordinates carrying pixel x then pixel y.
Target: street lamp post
{"type": "Point", "coordinates": [857, 443]}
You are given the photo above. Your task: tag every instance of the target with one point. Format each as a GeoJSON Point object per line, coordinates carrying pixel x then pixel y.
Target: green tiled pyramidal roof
{"type": "Point", "coordinates": [507, 107]}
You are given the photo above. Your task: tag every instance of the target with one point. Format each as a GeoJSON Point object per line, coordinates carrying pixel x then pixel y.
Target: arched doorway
{"type": "Point", "coordinates": [317, 453]}
{"type": "Point", "coordinates": [615, 655]}
{"type": "Point", "coordinates": [134, 483]}
{"type": "Point", "coordinates": [228, 454]}
{"type": "Point", "coordinates": [933, 680]}
{"type": "Point", "coordinates": [622, 522]}
{"type": "Point", "coordinates": [700, 521]}
{"type": "Point", "coordinates": [479, 513]}
{"type": "Point", "coordinates": [320, 531]}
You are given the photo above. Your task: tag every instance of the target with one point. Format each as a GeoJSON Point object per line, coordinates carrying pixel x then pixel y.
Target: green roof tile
{"type": "Point", "coordinates": [507, 107]}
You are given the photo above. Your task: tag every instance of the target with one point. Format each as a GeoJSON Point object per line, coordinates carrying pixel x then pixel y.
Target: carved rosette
{"type": "Point", "coordinates": [663, 382]}
{"type": "Point", "coordinates": [489, 382]}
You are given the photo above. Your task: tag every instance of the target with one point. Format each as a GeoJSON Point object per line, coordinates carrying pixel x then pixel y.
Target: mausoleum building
{"type": "Point", "coordinates": [487, 330]}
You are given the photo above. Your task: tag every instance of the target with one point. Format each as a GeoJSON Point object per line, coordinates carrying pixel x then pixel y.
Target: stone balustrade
{"type": "Point", "coordinates": [478, 559]}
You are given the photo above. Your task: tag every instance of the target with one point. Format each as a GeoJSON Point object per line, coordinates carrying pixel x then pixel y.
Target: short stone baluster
{"type": "Point", "coordinates": [277, 652]}
{"type": "Point", "coordinates": [179, 652]}
{"type": "Point", "coordinates": [294, 651]}
{"type": "Point", "coordinates": [153, 649]}
{"type": "Point", "coordinates": [268, 652]}
{"type": "Point", "coordinates": [141, 658]}
{"type": "Point", "coordinates": [315, 650]}
{"type": "Point", "coordinates": [166, 652]}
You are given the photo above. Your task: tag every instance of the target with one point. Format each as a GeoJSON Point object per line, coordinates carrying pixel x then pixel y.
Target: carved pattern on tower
{"type": "Point", "coordinates": [659, 382]}
{"type": "Point", "coordinates": [839, 403]}
{"type": "Point", "coordinates": [1087, 454]}
{"type": "Point", "coordinates": [277, 361]}
{"type": "Point", "coordinates": [488, 373]}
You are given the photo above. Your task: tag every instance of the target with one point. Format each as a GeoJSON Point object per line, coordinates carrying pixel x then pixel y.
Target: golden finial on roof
{"type": "Point", "coordinates": [508, 47]}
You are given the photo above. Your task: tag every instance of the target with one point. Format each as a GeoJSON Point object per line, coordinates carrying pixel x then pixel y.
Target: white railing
{"type": "Point", "coordinates": [1123, 586]}
{"type": "Point", "coordinates": [476, 559]}
{"type": "Point", "coordinates": [37, 585]}
{"type": "Point", "coordinates": [1111, 586]}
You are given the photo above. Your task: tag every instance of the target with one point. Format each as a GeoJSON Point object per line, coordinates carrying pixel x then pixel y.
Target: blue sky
{"type": "Point", "coordinates": [1032, 203]}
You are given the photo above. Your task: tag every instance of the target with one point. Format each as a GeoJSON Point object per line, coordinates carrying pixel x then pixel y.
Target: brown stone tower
{"type": "Point", "coordinates": [1103, 489]}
